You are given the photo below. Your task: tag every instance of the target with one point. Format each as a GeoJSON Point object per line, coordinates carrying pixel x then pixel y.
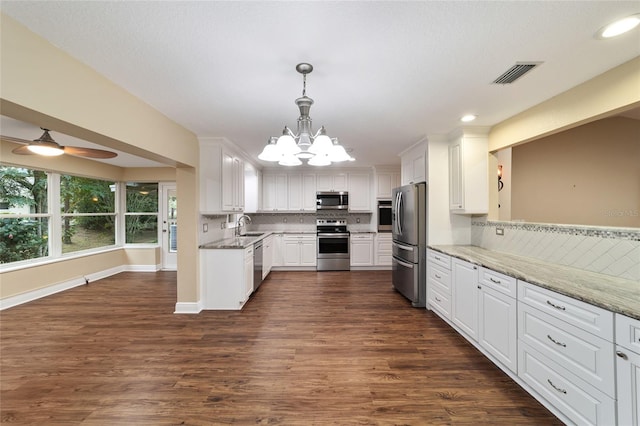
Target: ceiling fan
{"type": "Point", "coordinates": [46, 145]}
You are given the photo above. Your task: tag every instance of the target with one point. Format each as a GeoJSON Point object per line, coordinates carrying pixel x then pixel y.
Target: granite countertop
{"type": "Point", "coordinates": [614, 294]}
{"type": "Point", "coordinates": [240, 242]}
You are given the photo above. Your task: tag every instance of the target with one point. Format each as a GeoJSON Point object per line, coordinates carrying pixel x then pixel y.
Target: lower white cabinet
{"type": "Point", "coordinates": [439, 283]}
{"type": "Point", "coordinates": [361, 249]}
{"type": "Point", "coordinates": [267, 256]}
{"type": "Point", "coordinates": [383, 249]}
{"type": "Point", "coordinates": [299, 250]}
{"type": "Point", "coordinates": [497, 328]}
{"type": "Point", "coordinates": [628, 370]}
{"type": "Point", "coordinates": [226, 277]}
{"type": "Point", "coordinates": [464, 306]}
{"type": "Point", "coordinates": [277, 256]}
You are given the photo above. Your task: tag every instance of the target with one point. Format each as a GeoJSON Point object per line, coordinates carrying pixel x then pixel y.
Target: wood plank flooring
{"type": "Point", "coordinates": [308, 349]}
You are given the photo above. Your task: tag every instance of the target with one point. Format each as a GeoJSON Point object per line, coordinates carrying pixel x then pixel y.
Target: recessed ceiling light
{"type": "Point", "coordinates": [620, 26]}
{"type": "Point", "coordinates": [467, 118]}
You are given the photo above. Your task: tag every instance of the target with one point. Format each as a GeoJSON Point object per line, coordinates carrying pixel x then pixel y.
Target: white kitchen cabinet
{"type": "Point", "coordinates": [628, 369]}
{"type": "Point", "coordinates": [439, 283]}
{"type": "Point", "coordinates": [498, 317]}
{"type": "Point", "coordinates": [361, 249]}
{"type": "Point", "coordinates": [278, 250]}
{"type": "Point", "coordinates": [414, 164]}
{"type": "Point", "coordinates": [302, 192]}
{"type": "Point", "coordinates": [332, 182]}
{"type": "Point", "coordinates": [464, 306]}
{"type": "Point", "coordinates": [468, 174]}
{"type": "Point", "coordinates": [226, 277]}
{"type": "Point", "coordinates": [275, 192]}
{"type": "Point", "coordinates": [299, 250]}
{"type": "Point", "coordinates": [385, 182]}
{"type": "Point", "coordinates": [221, 178]}
{"type": "Point", "coordinates": [267, 256]}
{"type": "Point", "coordinates": [383, 249]}
{"type": "Point", "coordinates": [566, 354]}
{"type": "Point", "coordinates": [359, 192]}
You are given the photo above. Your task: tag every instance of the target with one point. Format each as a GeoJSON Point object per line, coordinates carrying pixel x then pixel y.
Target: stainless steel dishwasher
{"type": "Point", "coordinates": [257, 265]}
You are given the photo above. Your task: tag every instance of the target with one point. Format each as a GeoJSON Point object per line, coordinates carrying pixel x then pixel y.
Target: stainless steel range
{"type": "Point", "coordinates": [333, 245]}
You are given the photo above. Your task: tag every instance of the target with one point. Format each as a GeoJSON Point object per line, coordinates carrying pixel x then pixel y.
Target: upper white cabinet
{"type": "Point", "coordinates": [359, 192]}
{"type": "Point", "coordinates": [221, 178]}
{"type": "Point", "coordinates": [386, 180]}
{"type": "Point", "coordinates": [275, 190]}
{"type": "Point", "coordinates": [468, 173]}
{"type": "Point", "coordinates": [332, 182]}
{"type": "Point", "coordinates": [302, 191]}
{"type": "Point", "coordinates": [414, 164]}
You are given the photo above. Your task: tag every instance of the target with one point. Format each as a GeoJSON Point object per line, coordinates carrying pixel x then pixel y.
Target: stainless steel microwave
{"type": "Point", "coordinates": [332, 200]}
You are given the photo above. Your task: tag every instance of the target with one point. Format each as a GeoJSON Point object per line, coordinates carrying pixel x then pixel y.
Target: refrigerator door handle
{"type": "Point", "coordinates": [404, 247]}
{"type": "Point", "coordinates": [405, 264]}
{"type": "Point", "coordinates": [400, 209]}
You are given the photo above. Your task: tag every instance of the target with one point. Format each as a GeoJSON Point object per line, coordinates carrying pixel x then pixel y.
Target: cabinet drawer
{"type": "Point", "coordinates": [628, 333]}
{"type": "Point", "coordinates": [438, 258]}
{"type": "Point", "coordinates": [310, 237]}
{"type": "Point", "coordinates": [439, 302]}
{"type": "Point", "coordinates": [588, 317]}
{"type": "Point", "coordinates": [497, 281]}
{"type": "Point", "coordinates": [583, 354]}
{"type": "Point", "coordinates": [582, 404]}
{"type": "Point", "coordinates": [439, 278]}
{"type": "Point", "coordinates": [365, 237]}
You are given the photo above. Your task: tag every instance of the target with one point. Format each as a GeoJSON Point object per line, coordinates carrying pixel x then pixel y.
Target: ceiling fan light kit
{"type": "Point", "coordinates": [290, 148]}
{"type": "Point", "coordinates": [46, 146]}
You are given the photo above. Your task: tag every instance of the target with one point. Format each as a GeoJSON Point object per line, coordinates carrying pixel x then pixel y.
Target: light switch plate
{"type": "Point", "coordinates": [499, 231]}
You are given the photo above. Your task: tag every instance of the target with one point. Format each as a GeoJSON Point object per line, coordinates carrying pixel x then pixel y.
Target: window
{"type": "Point", "coordinates": [141, 217]}
{"type": "Point", "coordinates": [24, 217]}
{"type": "Point", "coordinates": [88, 213]}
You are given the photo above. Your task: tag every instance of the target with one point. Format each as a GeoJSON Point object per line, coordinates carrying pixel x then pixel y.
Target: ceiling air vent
{"type": "Point", "coordinates": [515, 72]}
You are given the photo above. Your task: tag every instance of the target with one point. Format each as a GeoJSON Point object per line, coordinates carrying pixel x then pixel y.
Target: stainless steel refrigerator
{"type": "Point", "coordinates": [409, 228]}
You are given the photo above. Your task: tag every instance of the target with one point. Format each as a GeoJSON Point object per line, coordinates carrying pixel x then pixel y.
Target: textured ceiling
{"type": "Point", "coordinates": [386, 74]}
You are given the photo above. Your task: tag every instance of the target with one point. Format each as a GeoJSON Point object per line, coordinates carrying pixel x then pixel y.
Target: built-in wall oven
{"type": "Point", "coordinates": [333, 244]}
{"type": "Point", "coordinates": [384, 215]}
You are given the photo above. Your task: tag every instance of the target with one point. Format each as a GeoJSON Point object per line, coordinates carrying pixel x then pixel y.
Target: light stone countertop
{"type": "Point", "coordinates": [247, 240]}
{"type": "Point", "coordinates": [614, 294]}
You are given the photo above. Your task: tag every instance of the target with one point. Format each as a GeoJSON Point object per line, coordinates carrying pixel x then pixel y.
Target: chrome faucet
{"type": "Point", "coordinates": [242, 221]}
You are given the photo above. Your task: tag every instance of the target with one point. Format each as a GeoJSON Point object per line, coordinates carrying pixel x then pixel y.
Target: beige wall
{"type": "Point", "coordinates": [589, 175]}
{"type": "Point", "coordinates": [69, 97]}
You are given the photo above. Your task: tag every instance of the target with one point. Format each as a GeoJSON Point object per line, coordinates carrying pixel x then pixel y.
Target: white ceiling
{"type": "Point", "coordinates": [386, 74]}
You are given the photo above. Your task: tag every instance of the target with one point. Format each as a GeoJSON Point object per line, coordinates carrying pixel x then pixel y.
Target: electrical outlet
{"type": "Point", "coordinates": [284, 220]}
{"type": "Point", "coordinates": [222, 225]}
{"type": "Point", "coordinates": [205, 227]}
{"type": "Point", "coordinates": [301, 220]}
{"type": "Point", "coordinates": [357, 220]}
{"type": "Point", "coordinates": [499, 231]}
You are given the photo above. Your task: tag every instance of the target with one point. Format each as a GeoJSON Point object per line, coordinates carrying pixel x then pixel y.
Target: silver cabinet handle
{"type": "Point", "coordinates": [564, 345]}
{"type": "Point", "coordinates": [438, 276]}
{"type": "Point", "coordinates": [437, 258]}
{"type": "Point", "coordinates": [564, 391]}
{"type": "Point", "coordinates": [437, 299]}
{"type": "Point", "coordinates": [479, 288]}
{"type": "Point", "coordinates": [495, 281]}
{"type": "Point", "coordinates": [622, 355]}
{"type": "Point", "coordinates": [562, 308]}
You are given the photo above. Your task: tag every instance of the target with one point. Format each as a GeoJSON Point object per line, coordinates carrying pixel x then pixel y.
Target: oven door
{"type": "Point", "coordinates": [384, 216]}
{"type": "Point", "coordinates": [333, 245]}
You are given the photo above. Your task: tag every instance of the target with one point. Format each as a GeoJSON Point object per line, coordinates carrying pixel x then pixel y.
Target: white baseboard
{"type": "Point", "coordinates": [188, 308]}
{"type": "Point", "coordinates": [142, 268]}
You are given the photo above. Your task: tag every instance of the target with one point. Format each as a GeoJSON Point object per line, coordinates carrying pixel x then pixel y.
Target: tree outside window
{"type": "Point", "coordinates": [141, 217]}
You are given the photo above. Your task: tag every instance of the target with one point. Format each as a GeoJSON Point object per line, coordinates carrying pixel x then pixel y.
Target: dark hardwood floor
{"type": "Point", "coordinates": [308, 348]}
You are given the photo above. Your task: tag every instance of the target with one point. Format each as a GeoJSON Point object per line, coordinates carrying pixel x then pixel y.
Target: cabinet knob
{"type": "Point", "coordinates": [622, 355]}
{"type": "Point", "coordinates": [479, 288]}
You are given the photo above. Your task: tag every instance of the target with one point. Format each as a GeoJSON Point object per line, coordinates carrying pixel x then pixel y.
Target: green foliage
{"type": "Point", "coordinates": [85, 195]}
{"type": "Point", "coordinates": [22, 239]}
{"type": "Point", "coordinates": [24, 187]}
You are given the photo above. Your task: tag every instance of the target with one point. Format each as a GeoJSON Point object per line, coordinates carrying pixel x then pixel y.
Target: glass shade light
{"type": "Point", "coordinates": [321, 145]}
{"type": "Point", "coordinates": [320, 160]}
{"type": "Point", "coordinates": [338, 154]}
{"type": "Point", "coordinates": [289, 160]}
{"type": "Point", "coordinates": [46, 149]}
{"type": "Point", "coordinates": [287, 145]}
{"type": "Point", "coordinates": [271, 151]}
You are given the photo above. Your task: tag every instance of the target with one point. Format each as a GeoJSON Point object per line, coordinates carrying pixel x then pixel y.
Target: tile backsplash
{"type": "Point", "coordinates": [609, 251]}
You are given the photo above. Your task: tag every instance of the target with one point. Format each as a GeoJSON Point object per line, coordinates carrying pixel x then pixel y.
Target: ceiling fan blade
{"type": "Point", "coordinates": [88, 152]}
{"type": "Point", "coordinates": [16, 140]}
{"type": "Point", "coordinates": [22, 150]}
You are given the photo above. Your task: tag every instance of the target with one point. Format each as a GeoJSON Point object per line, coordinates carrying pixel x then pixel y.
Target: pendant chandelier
{"type": "Point", "coordinates": [290, 148]}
